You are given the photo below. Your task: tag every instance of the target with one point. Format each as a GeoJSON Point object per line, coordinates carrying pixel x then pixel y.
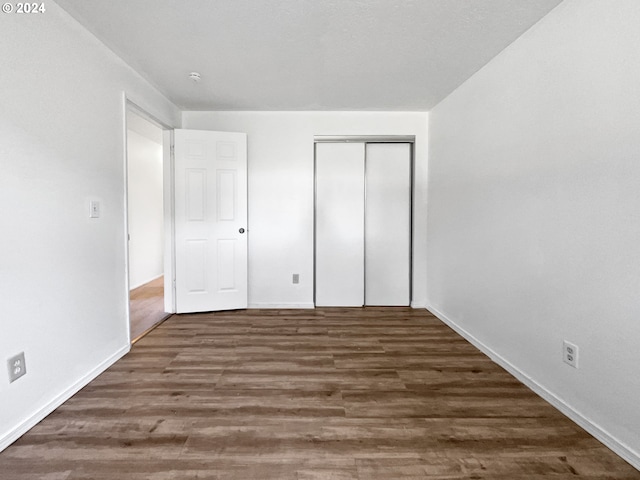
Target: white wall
{"type": "Point", "coordinates": [281, 192]}
{"type": "Point", "coordinates": [145, 207]}
{"type": "Point", "coordinates": [62, 274]}
{"type": "Point", "coordinates": [533, 217]}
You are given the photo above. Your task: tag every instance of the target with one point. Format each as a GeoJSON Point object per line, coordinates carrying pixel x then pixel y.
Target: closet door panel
{"type": "Point", "coordinates": [388, 224]}
{"type": "Point", "coordinates": [339, 261]}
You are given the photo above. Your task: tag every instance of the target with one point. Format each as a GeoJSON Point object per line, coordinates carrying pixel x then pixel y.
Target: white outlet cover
{"type": "Point", "coordinates": [570, 354]}
{"type": "Point", "coordinates": [17, 367]}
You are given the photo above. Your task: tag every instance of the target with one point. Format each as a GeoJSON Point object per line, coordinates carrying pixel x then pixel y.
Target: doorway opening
{"type": "Point", "coordinates": [145, 222]}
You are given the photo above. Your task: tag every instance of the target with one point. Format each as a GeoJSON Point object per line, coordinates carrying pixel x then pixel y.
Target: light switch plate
{"type": "Point", "coordinates": [94, 209]}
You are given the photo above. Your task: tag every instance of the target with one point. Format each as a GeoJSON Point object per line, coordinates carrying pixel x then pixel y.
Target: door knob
{"type": "Point", "coordinates": [241, 230]}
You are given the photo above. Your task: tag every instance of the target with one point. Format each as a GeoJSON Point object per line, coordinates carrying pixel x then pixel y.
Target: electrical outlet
{"type": "Point", "coordinates": [296, 278]}
{"type": "Point", "coordinates": [17, 367]}
{"type": "Point", "coordinates": [570, 354]}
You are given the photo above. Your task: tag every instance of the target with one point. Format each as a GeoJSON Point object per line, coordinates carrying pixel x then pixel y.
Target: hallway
{"type": "Point", "coordinates": [146, 305]}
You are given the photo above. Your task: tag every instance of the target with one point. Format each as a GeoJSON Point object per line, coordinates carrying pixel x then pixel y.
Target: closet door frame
{"type": "Point", "coordinates": [410, 139]}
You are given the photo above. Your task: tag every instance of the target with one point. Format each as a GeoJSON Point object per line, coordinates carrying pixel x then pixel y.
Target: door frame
{"type": "Point", "coordinates": [410, 139]}
{"type": "Point", "coordinates": [167, 179]}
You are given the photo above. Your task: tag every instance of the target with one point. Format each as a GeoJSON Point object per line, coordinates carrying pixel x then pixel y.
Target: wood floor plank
{"type": "Point", "coordinates": [146, 307]}
{"type": "Point", "coordinates": [332, 393]}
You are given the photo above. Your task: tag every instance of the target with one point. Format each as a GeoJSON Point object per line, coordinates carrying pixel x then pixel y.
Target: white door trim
{"type": "Point", "coordinates": [169, 221]}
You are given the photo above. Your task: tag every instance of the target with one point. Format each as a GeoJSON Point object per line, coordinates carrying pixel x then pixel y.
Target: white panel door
{"type": "Point", "coordinates": [339, 224]}
{"type": "Point", "coordinates": [388, 224]}
{"type": "Point", "coordinates": [210, 220]}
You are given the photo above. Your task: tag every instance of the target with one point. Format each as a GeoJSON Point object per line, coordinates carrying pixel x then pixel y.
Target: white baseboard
{"type": "Point", "coordinates": [133, 287]}
{"type": "Point", "coordinates": [39, 415]}
{"type": "Point", "coordinates": [281, 305]}
{"type": "Point", "coordinates": [623, 450]}
{"type": "Point", "coordinates": [309, 305]}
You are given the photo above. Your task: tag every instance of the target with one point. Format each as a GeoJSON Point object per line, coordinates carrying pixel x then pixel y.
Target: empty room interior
{"type": "Point", "coordinates": [384, 239]}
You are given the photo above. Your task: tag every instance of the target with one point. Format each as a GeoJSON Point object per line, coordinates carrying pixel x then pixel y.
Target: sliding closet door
{"type": "Point", "coordinates": [339, 224]}
{"type": "Point", "coordinates": [388, 224]}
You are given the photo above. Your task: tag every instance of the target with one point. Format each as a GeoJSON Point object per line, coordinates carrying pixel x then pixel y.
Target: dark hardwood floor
{"type": "Point", "coordinates": [373, 393]}
{"type": "Point", "coordinates": [146, 308]}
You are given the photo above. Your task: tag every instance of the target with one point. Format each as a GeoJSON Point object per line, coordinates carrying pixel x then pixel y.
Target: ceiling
{"type": "Point", "coordinates": [143, 127]}
{"type": "Point", "coordinates": [398, 55]}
